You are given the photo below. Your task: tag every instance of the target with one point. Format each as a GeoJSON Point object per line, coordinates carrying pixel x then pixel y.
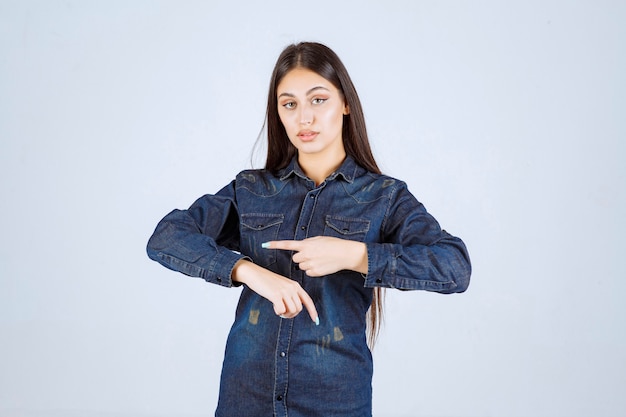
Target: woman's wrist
{"type": "Point", "coordinates": [359, 257]}
{"type": "Point", "coordinates": [240, 271]}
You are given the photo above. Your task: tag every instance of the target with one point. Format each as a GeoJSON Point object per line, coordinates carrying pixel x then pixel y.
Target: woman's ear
{"type": "Point", "coordinates": [346, 110]}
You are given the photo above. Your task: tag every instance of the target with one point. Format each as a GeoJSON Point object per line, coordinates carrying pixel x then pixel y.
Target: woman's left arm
{"type": "Point", "coordinates": [416, 254]}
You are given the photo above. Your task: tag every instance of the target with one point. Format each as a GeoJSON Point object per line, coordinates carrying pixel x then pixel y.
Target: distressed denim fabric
{"type": "Point", "coordinates": [291, 367]}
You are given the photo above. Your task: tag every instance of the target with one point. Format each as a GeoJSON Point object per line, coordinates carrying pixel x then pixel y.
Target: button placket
{"type": "Point", "coordinates": [286, 326]}
{"type": "Point", "coordinates": [306, 214]}
{"type": "Point", "coordinates": [281, 381]}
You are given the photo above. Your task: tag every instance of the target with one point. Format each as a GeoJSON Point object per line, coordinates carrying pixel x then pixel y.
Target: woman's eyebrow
{"type": "Point", "coordinates": [319, 87]}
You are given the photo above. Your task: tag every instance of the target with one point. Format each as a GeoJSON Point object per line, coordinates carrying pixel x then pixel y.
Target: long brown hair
{"type": "Point", "coordinates": [323, 61]}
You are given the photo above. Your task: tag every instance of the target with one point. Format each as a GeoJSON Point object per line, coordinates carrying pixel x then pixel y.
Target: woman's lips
{"type": "Point", "coordinates": [307, 135]}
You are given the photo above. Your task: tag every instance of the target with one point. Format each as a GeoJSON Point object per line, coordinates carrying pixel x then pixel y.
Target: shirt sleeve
{"type": "Point", "coordinates": [201, 241]}
{"type": "Point", "coordinates": [415, 253]}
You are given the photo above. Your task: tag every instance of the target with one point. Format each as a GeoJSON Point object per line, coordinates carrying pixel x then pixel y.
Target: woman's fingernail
{"type": "Point", "coordinates": [317, 321]}
{"type": "Point", "coordinates": [265, 245]}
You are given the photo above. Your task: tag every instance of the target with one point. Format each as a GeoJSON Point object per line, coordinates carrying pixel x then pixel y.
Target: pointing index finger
{"type": "Point", "coordinates": [282, 244]}
{"type": "Point", "coordinates": [307, 301]}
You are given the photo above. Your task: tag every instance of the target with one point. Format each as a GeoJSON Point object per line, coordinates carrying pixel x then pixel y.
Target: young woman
{"type": "Point", "coordinates": [319, 229]}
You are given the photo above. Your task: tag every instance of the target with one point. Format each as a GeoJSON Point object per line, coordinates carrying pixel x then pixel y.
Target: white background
{"type": "Point", "coordinates": [505, 118]}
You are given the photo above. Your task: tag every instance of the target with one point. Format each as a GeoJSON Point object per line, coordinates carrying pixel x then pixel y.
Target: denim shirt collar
{"type": "Point", "coordinates": [348, 170]}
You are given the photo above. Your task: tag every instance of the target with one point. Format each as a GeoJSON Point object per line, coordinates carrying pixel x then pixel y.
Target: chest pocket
{"type": "Point", "coordinates": [257, 228]}
{"type": "Point", "coordinates": [346, 228]}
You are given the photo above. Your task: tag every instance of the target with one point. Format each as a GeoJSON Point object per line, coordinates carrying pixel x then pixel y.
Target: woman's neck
{"type": "Point", "coordinates": [319, 166]}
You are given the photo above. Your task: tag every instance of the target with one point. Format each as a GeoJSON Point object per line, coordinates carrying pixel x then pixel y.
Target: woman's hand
{"type": "Point", "coordinates": [324, 255]}
{"type": "Point", "coordinates": [287, 296]}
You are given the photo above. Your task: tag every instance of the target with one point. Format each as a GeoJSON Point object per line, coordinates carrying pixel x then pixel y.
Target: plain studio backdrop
{"type": "Point", "coordinates": [506, 119]}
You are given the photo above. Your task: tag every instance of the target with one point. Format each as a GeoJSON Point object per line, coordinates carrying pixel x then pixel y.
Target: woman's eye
{"type": "Point", "coordinates": [289, 105]}
{"type": "Point", "coordinates": [319, 100]}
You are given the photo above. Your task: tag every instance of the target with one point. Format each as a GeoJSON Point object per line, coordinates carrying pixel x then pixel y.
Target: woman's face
{"type": "Point", "coordinates": [311, 109]}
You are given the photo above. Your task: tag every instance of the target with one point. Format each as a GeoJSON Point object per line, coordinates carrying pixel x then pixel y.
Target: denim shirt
{"type": "Point", "coordinates": [291, 367]}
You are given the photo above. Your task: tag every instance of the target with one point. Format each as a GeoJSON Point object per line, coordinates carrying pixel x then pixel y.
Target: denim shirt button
{"type": "Point", "coordinates": [303, 227]}
{"type": "Point", "coordinates": [283, 354]}
{"type": "Point", "coordinates": [279, 398]}
{"type": "Point", "coordinates": [378, 280]}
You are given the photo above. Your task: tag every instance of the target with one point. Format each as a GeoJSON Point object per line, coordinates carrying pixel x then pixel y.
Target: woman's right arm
{"type": "Point", "coordinates": [200, 241]}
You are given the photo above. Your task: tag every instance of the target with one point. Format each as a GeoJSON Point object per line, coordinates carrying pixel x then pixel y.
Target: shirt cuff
{"type": "Point", "coordinates": [221, 268]}
{"type": "Point", "coordinates": [380, 265]}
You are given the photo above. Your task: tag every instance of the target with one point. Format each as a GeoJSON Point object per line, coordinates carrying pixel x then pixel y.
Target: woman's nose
{"type": "Point", "coordinates": [306, 115]}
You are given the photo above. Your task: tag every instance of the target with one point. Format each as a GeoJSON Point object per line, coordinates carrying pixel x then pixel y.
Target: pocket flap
{"type": "Point", "coordinates": [347, 226]}
{"type": "Point", "coordinates": [261, 221]}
